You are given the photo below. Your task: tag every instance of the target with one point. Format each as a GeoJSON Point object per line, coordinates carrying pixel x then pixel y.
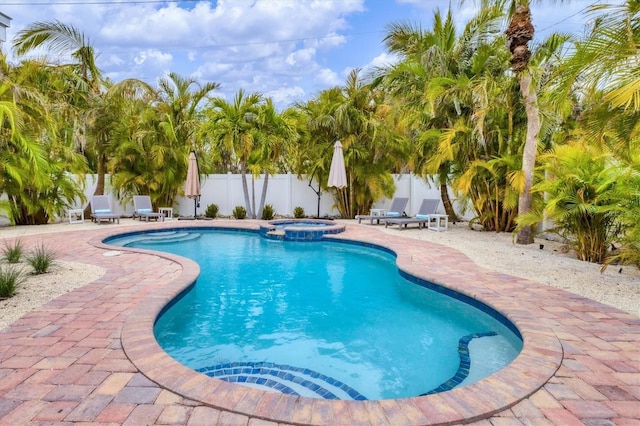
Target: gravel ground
{"type": "Point", "coordinates": [551, 265]}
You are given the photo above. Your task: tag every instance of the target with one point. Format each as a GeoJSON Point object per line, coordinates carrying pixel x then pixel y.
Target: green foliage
{"type": "Point", "coordinates": [268, 212]}
{"type": "Point", "coordinates": [35, 162]}
{"type": "Point", "coordinates": [10, 279]}
{"type": "Point", "coordinates": [212, 211]}
{"type": "Point", "coordinates": [358, 115]}
{"type": "Point", "coordinates": [298, 212]}
{"type": "Point", "coordinates": [155, 135]}
{"type": "Point", "coordinates": [462, 112]}
{"type": "Point", "coordinates": [582, 200]}
{"type": "Point", "coordinates": [627, 191]}
{"type": "Point", "coordinates": [41, 259]}
{"type": "Point", "coordinates": [13, 252]}
{"type": "Point", "coordinates": [239, 212]}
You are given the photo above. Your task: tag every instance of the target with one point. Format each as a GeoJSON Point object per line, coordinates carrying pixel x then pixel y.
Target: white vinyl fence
{"type": "Point", "coordinates": [285, 192]}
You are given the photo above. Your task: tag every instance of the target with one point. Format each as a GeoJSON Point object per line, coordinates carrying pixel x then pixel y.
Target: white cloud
{"type": "Point", "coordinates": [382, 60]}
{"type": "Point", "coordinates": [288, 47]}
{"type": "Point", "coordinates": [154, 56]}
{"type": "Point", "coordinates": [302, 56]}
{"type": "Point", "coordinates": [329, 78]}
{"type": "Point", "coordinates": [286, 95]}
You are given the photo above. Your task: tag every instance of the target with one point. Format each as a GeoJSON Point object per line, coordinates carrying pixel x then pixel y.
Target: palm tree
{"type": "Point", "coordinates": [582, 199]}
{"type": "Point", "coordinates": [275, 134]}
{"type": "Point", "coordinates": [426, 56]}
{"type": "Point", "coordinates": [180, 117]}
{"type": "Point", "coordinates": [357, 115]}
{"type": "Point", "coordinates": [35, 163]}
{"type": "Point", "coordinates": [230, 129]}
{"type": "Point", "coordinates": [519, 33]}
{"type": "Point", "coordinates": [603, 70]}
{"type": "Point", "coordinates": [180, 105]}
{"type": "Point", "coordinates": [154, 135]}
{"type": "Point", "coordinates": [59, 38]}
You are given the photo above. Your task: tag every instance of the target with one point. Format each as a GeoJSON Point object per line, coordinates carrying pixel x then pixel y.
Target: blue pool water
{"type": "Point", "coordinates": [320, 319]}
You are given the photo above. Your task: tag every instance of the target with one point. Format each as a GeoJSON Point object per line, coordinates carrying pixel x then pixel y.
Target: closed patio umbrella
{"type": "Point", "coordinates": [192, 189]}
{"type": "Point", "coordinates": [337, 173]}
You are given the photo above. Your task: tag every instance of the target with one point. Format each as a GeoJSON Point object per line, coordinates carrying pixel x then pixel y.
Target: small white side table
{"type": "Point", "coordinates": [167, 212]}
{"type": "Point", "coordinates": [377, 212]}
{"type": "Point", "coordinates": [438, 222]}
{"type": "Point", "coordinates": [76, 215]}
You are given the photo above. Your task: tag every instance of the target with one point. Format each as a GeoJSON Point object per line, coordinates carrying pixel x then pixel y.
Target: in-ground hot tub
{"type": "Point", "coordinates": [299, 229]}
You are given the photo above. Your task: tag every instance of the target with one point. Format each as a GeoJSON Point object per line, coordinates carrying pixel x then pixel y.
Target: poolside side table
{"type": "Point", "coordinates": [438, 222]}
{"type": "Point", "coordinates": [377, 214]}
{"type": "Point", "coordinates": [76, 215]}
{"type": "Point", "coordinates": [167, 212]}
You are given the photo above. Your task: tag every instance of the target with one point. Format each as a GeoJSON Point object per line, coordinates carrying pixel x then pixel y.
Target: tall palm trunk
{"type": "Point", "coordinates": [263, 197]}
{"type": "Point", "coordinates": [245, 189]}
{"type": "Point", "coordinates": [446, 202]}
{"type": "Point", "coordinates": [525, 234]}
{"type": "Point", "coordinates": [519, 33]}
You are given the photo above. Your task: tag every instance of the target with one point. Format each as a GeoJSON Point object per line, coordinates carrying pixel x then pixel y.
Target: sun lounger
{"type": "Point", "coordinates": [101, 210]}
{"type": "Point", "coordinates": [426, 211]}
{"type": "Point", "coordinates": [143, 208]}
{"type": "Point", "coordinates": [396, 210]}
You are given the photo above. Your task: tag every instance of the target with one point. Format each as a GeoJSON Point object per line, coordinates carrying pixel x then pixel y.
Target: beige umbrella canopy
{"type": "Point", "coordinates": [337, 173]}
{"type": "Point", "coordinates": [192, 188]}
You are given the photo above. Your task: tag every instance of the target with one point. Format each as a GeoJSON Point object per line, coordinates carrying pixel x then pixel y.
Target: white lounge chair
{"type": "Point", "coordinates": [398, 205]}
{"type": "Point", "coordinates": [101, 210]}
{"type": "Point", "coordinates": [427, 210]}
{"type": "Point", "coordinates": [143, 208]}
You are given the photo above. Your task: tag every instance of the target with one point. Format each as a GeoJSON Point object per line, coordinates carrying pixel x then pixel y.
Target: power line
{"type": "Point", "coordinates": [568, 17]}
{"type": "Point", "coordinates": [85, 2]}
{"type": "Point", "coordinates": [110, 2]}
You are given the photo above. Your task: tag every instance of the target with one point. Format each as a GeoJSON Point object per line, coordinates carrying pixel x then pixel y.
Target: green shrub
{"type": "Point", "coordinates": [13, 252]}
{"type": "Point", "coordinates": [268, 212]}
{"type": "Point", "coordinates": [41, 259]}
{"type": "Point", "coordinates": [212, 211]}
{"type": "Point", "coordinates": [239, 212]}
{"type": "Point", "coordinates": [10, 279]}
{"type": "Point", "coordinates": [298, 212]}
{"type": "Point", "coordinates": [581, 200]}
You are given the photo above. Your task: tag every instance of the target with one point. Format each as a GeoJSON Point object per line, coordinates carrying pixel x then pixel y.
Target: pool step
{"type": "Point", "coordinates": [284, 379]}
{"type": "Point", "coordinates": [275, 235]}
{"type": "Point", "coordinates": [165, 237]}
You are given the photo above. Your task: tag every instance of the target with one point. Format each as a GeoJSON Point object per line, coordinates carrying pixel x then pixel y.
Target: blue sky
{"type": "Point", "coordinates": [288, 50]}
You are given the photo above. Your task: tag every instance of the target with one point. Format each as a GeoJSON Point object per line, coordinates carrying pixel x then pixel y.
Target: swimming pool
{"type": "Point", "coordinates": [384, 355]}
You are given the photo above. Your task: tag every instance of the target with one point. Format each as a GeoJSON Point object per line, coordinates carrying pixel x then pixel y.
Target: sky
{"type": "Point", "coordinates": [288, 50]}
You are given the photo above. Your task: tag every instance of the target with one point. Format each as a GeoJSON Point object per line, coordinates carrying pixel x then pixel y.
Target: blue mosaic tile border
{"type": "Point", "coordinates": [178, 229]}
{"type": "Point", "coordinates": [441, 289]}
{"type": "Point", "coordinates": [464, 366]}
{"type": "Point", "coordinates": [497, 315]}
{"type": "Point", "coordinates": [271, 375]}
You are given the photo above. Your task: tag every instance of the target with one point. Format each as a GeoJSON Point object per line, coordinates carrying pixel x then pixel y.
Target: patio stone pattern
{"type": "Point", "coordinates": [89, 356]}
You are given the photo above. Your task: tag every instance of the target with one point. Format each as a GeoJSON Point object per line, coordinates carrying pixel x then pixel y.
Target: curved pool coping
{"type": "Point", "coordinates": [538, 361]}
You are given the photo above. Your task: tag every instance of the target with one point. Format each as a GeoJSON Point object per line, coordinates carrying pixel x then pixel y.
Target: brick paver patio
{"type": "Point", "coordinates": [89, 356]}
